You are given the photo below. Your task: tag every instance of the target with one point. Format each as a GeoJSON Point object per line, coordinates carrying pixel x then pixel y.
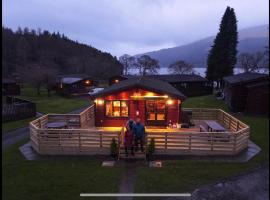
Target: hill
{"type": "Point", "coordinates": [250, 40]}
{"type": "Point", "coordinates": [27, 48]}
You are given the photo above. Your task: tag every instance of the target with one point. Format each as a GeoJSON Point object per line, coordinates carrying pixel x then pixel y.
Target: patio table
{"type": "Point", "coordinates": [57, 125]}
{"type": "Point", "coordinates": [214, 126]}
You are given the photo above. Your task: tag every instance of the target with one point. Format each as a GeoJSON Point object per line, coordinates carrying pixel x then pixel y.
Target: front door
{"type": "Point", "coordinates": [155, 112]}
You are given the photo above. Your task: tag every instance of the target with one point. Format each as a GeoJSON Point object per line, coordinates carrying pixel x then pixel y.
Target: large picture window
{"type": "Point", "coordinates": [117, 108]}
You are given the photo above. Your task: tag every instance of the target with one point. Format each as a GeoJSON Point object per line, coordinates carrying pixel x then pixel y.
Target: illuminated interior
{"type": "Point", "coordinates": [116, 108]}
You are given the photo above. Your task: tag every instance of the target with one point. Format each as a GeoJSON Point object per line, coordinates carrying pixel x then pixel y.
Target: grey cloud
{"type": "Point", "coordinates": [131, 26]}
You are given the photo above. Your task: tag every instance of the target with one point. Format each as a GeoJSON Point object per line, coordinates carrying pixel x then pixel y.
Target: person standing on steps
{"type": "Point", "coordinates": [129, 138]}
{"type": "Point", "coordinates": [139, 131]}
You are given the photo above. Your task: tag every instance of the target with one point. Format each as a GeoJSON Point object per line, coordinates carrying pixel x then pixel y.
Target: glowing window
{"type": "Point", "coordinates": [117, 108]}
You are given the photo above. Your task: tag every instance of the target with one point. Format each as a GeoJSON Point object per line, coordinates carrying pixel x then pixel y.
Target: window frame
{"type": "Point", "coordinates": [128, 105]}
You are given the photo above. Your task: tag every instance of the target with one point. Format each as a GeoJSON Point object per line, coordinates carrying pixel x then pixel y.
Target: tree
{"type": "Point", "coordinates": [181, 67]}
{"type": "Point", "coordinates": [49, 80]}
{"type": "Point", "coordinates": [222, 56]}
{"type": "Point", "coordinates": [128, 62]}
{"type": "Point", "coordinates": [147, 65]}
{"type": "Point", "coordinates": [251, 62]}
{"type": "Point", "coordinates": [33, 75]}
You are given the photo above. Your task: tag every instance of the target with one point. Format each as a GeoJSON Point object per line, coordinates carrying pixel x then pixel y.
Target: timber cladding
{"type": "Point", "coordinates": [97, 140]}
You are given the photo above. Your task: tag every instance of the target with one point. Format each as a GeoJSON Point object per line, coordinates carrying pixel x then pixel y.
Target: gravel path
{"type": "Point", "coordinates": [15, 136]}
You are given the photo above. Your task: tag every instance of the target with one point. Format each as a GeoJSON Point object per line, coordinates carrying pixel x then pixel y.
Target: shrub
{"type": "Point", "coordinates": [113, 147]}
{"type": "Point", "coordinates": [151, 147]}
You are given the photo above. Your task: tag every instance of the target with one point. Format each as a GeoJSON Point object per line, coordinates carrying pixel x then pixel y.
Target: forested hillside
{"type": "Point", "coordinates": [25, 51]}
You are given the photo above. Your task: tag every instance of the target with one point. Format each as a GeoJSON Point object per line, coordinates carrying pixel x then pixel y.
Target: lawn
{"type": "Point", "coordinates": [65, 179]}
{"type": "Point", "coordinates": [44, 104]}
{"type": "Point", "coordinates": [59, 179]}
{"type": "Point", "coordinates": [186, 175]}
{"type": "Point", "coordinates": [9, 126]}
{"type": "Point", "coordinates": [53, 104]}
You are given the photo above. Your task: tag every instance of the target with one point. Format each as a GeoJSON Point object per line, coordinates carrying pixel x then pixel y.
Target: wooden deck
{"type": "Point", "coordinates": [82, 137]}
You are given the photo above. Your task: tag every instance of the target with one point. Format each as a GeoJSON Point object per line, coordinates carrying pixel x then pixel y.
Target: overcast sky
{"type": "Point", "coordinates": [131, 26]}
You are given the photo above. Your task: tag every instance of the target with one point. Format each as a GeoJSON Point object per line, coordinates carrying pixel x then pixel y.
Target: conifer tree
{"type": "Point", "coordinates": [223, 54]}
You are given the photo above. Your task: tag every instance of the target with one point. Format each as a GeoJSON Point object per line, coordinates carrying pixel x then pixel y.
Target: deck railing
{"type": "Point", "coordinates": [205, 143]}
{"type": "Point", "coordinates": [82, 140]}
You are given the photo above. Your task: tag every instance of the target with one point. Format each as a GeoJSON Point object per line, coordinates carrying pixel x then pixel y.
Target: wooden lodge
{"type": "Point", "coordinates": [247, 92]}
{"type": "Point", "coordinates": [157, 103]}
{"type": "Point", "coordinates": [75, 84]}
{"type": "Point", "coordinates": [188, 84]}
{"type": "Point", "coordinates": [10, 87]}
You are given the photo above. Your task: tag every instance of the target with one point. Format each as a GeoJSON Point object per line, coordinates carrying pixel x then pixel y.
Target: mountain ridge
{"type": "Point", "coordinates": [251, 39]}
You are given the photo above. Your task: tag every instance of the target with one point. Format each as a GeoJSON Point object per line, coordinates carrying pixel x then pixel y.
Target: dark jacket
{"type": "Point", "coordinates": [129, 139]}
{"type": "Point", "coordinates": [139, 130]}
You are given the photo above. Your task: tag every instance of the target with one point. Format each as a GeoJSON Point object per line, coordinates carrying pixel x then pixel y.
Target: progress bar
{"type": "Point", "coordinates": [135, 195]}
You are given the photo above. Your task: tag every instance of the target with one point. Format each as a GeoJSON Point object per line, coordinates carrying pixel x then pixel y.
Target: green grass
{"type": "Point", "coordinates": [10, 126]}
{"type": "Point", "coordinates": [44, 104]}
{"type": "Point", "coordinates": [204, 102]}
{"type": "Point", "coordinates": [186, 175]}
{"type": "Point", "coordinates": [65, 179]}
{"type": "Point", "coordinates": [53, 104]}
{"type": "Point", "coordinates": [59, 179]}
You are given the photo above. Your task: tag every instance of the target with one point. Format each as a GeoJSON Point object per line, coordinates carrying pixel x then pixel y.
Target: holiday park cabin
{"type": "Point", "coordinates": [75, 84]}
{"type": "Point", "coordinates": [176, 131]}
{"type": "Point", "coordinates": [188, 84]}
{"type": "Point", "coordinates": [247, 92]}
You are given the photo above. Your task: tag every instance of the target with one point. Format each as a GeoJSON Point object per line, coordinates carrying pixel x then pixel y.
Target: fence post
{"type": "Point", "coordinates": [189, 141]}
{"type": "Point", "coordinates": [100, 139]}
{"type": "Point", "coordinates": [39, 123]}
{"type": "Point", "coordinates": [234, 144]}
{"type": "Point", "coordinates": [237, 127]}
{"type": "Point", "coordinates": [212, 143]}
{"type": "Point", "coordinates": [230, 119]}
{"type": "Point", "coordinates": [166, 140]}
{"type": "Point", "coordinates": [80, 144]}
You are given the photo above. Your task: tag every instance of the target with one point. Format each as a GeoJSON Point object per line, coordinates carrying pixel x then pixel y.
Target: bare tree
{"type": "Point", "coordinates": [49, 79]}
{"type": "Point", "coordinates": [147, 65]}
{"type": "Point", "coordinates": [251, 62]}
{"type": "Point", "coordinates": [128, 62]}
{"type": "Point", "coordinates": [181, 67]}
{"type": "Point", "coordinates": [33, 75]}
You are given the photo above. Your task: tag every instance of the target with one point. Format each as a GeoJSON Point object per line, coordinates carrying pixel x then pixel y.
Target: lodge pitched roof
{"type": "Point", "coordinates": [72, 78]}
{"type": "Point", "coordinates": [245, 77]}
{"type": "Point", "coordinates": [145, 83]}
{"type": "Point", "coordinates": [173, 78]}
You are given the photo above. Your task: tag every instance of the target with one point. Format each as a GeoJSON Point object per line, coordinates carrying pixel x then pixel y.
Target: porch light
{"type": "Point", "coordinates": [87, 82]}
{"type": "Point", "coordinates": [116, 80]}
{"type": "Point", "coordinates": [149, 94]}
{"type": "Point", "coordinates": [137, 113]}
{"type": "Point", "coordinates": [99, 101]}
{"type": "Point", "coordinates": [169, 101]}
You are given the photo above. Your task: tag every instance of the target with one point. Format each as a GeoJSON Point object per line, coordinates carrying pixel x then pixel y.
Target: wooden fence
{"type": "Point", "coordinates": [16, 109]}
{"type": "Point", "coordinates": [204, 143]}
{"type": "Point", "coordinates": [81, 140]}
